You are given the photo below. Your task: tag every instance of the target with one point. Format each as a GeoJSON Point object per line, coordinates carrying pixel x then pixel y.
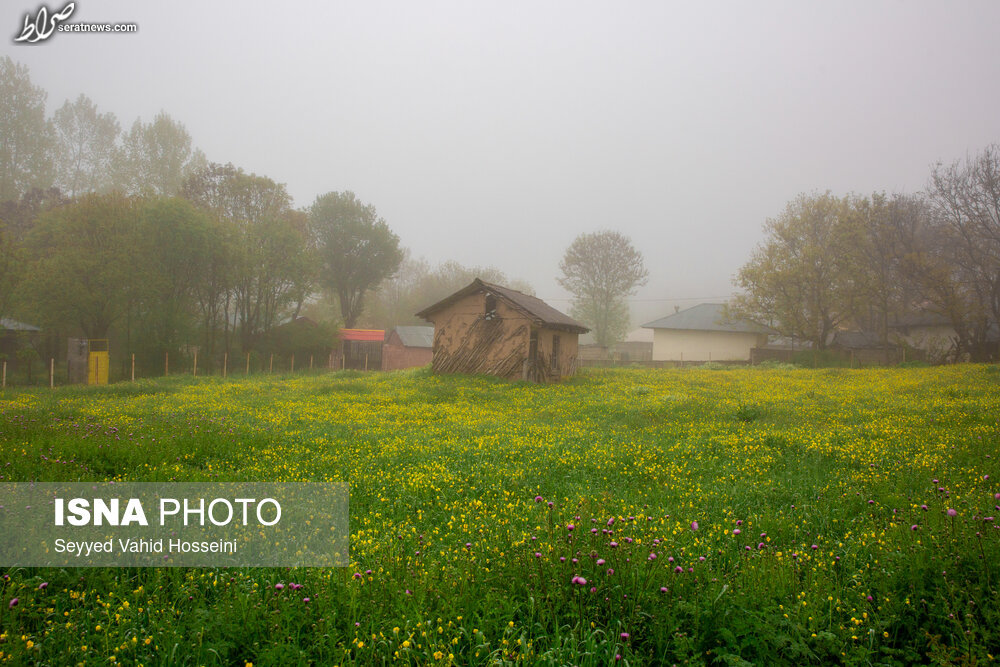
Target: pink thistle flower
{"type": "Point", "coordinates": [13, 603]}
{"type": "Point", "coordinates": [913, 527]}
{"type": "Point", "coordinates": [538, 554]}
{"type": "Point", "coordinates": [570, 527]}
{"type": "Point", "coordinates": [678, 569]}
{"type": "Point", "coordinates": [42, 586]}
{"type": "Point", "coordinates": [305, 600]}
{"type": "Point", "coordinates": [579, 581]}
{"type": "Point", "coordinates": [539, 499]}
{"type": "Point", "coordinates": [952, 511]}
{"type": "Point", "coordinates": [624, 635]}
{"type": "Point", "coordinates": [694, 525]}
{"type": "Point", "coordinates": [279, 587]}
{"type": "Point", "coordinates": [663, 589]}
{"type": "Point", "coordinates": [600, 561]}
{"type": "Point", "coordinates": [611, 571]}
{"type": "Point", "coordinates": [736, 531]}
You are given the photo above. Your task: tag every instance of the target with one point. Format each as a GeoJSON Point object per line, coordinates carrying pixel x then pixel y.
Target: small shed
{"type": "Point", "coordinates": [408, 347]}
{"type": "Point", "coordinates": [704, 333]}
{"type": "Point", "coordinates": [495, 330]}
{"type": "Point", "coordinates": [361, 349]}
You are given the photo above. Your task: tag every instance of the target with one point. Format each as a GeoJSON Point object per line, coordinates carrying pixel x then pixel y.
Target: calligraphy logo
{"type": "Point", "coordinates": [44, 24]}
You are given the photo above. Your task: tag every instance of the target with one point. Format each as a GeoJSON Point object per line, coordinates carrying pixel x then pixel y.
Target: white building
{"type": "Point", "coordinates": [703, 333]}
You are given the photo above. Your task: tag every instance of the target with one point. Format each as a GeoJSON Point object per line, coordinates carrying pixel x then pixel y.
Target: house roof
{"type": "Point", "coordinates": [362, 334]}
{"type": "Point", "coordinates": [416, 336]}
{"type": "Point", "coordinates": [542, 313]}
{"type": "Point", "coordinates": [707, 317]}
{"type": "Point", "coordinates": [13, 325]}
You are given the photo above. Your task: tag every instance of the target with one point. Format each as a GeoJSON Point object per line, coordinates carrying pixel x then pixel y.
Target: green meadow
{"type": "Point", "coordinates": [636, 517]}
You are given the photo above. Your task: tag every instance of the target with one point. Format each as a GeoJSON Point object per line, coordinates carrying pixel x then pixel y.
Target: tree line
{"type": "Point", "coordinates": [877, 262]}
{"type": "Point", "coordinates": [136, 237]}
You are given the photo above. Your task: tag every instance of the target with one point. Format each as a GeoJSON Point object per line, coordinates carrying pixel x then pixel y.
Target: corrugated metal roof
{"type": "Point", "coordinates": [706, 317]}
{"type": "Point", "coordinates": [14, 325]}
{"type": "Point", "coordinates": [531, 306]}
{"type": "Point", "coordinates": [362, 334]}
{"type": "Point", "coordinates": [416, 336]}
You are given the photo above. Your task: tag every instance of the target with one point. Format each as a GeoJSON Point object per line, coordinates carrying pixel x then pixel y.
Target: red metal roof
{"type": "Point", "coordinates": [362, 334]}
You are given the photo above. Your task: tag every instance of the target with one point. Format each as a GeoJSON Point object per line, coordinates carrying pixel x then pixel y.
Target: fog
{"type": "Point", "coordinates": [495, 133]}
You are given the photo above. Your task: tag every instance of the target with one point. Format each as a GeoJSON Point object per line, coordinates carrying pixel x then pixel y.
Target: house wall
{"type": "Point", "coordinates": [686, 345]}
{"type": "Point", "coordinates": [568, 352]}
{"type": "Point", "coordinates": [466, 342]}
{"type": "Point", "coordinates": [396, 356]}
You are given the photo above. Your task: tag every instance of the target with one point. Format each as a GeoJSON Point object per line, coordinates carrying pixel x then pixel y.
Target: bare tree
{"type": "Point", "coordinates": [966, 197]}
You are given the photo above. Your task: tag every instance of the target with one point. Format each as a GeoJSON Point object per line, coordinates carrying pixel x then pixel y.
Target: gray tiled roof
{"type": "Point", "coordinates": [706, 317]}
{"type": "Point", "coordinates": [416, 336]}
{"type": "Point", "coordinates": [14, 325]}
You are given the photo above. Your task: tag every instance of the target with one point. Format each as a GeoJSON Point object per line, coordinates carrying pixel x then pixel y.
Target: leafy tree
{"type": "Point", "coordinates": [83, 269]}
{"type": "Point", "coordinates": [86, 147]}
{"type": "Point", "coordinates": [355, 247]}
{"type": "Point", "coordinates": [156, 158]}
{"type": "Point", "coordinates": [800, 279]}
{"type": "Point", "coordinates": [600, 270]}
{"type": "Point", "coordinates": [269, 261]}
{"type": "Point", "coordinates": [175, 241]}
{"type": "Point", "coordinates": [16, 219]}
{"type": "Point", "coordinates": [26, 144]}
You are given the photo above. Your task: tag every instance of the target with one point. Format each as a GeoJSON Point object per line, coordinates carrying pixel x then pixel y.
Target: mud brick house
{"type": "Point", "coordinates": [494, 330]}
{"type": "Point", "coordinates": [407, 347]}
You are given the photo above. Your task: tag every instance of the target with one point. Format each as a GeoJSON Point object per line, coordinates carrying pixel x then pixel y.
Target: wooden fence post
{"type": "Point", "coordinates": [52, 373]}
{"type": "Point", "coordinates": [293, 363]}
{"type": "Point", "coordinates": [166, 364]}
{"type": "Point", "coordinates": [196, 363]}
{"type": "Point", "coordinates": [3, 379]}
{"type": "Point", "coordinates": [133, 367]}
{"type": "Point", "coordinates": [270, 365]}
{"type": "Point", "coordinates": [225, 363]}
{"type": "Point", "coordinates": [248, 363]}
{"type": "Point", "coordinates": [310, 362]}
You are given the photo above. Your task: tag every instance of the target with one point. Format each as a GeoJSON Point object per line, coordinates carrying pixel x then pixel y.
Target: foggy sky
{"type": "Point", "coordinates": [493, 133]}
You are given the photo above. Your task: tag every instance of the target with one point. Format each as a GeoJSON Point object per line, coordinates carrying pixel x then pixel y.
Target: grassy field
{"type": "Point", "coordinates": [624, 517]}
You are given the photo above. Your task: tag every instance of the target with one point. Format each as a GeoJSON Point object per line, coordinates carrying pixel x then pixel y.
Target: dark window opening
{"type": "Point", "coordinates": [491, 307]}
{"type": "Point", "coordinates": [555, 353]}
{"type": "Point", "coordinates": [533, 347]}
